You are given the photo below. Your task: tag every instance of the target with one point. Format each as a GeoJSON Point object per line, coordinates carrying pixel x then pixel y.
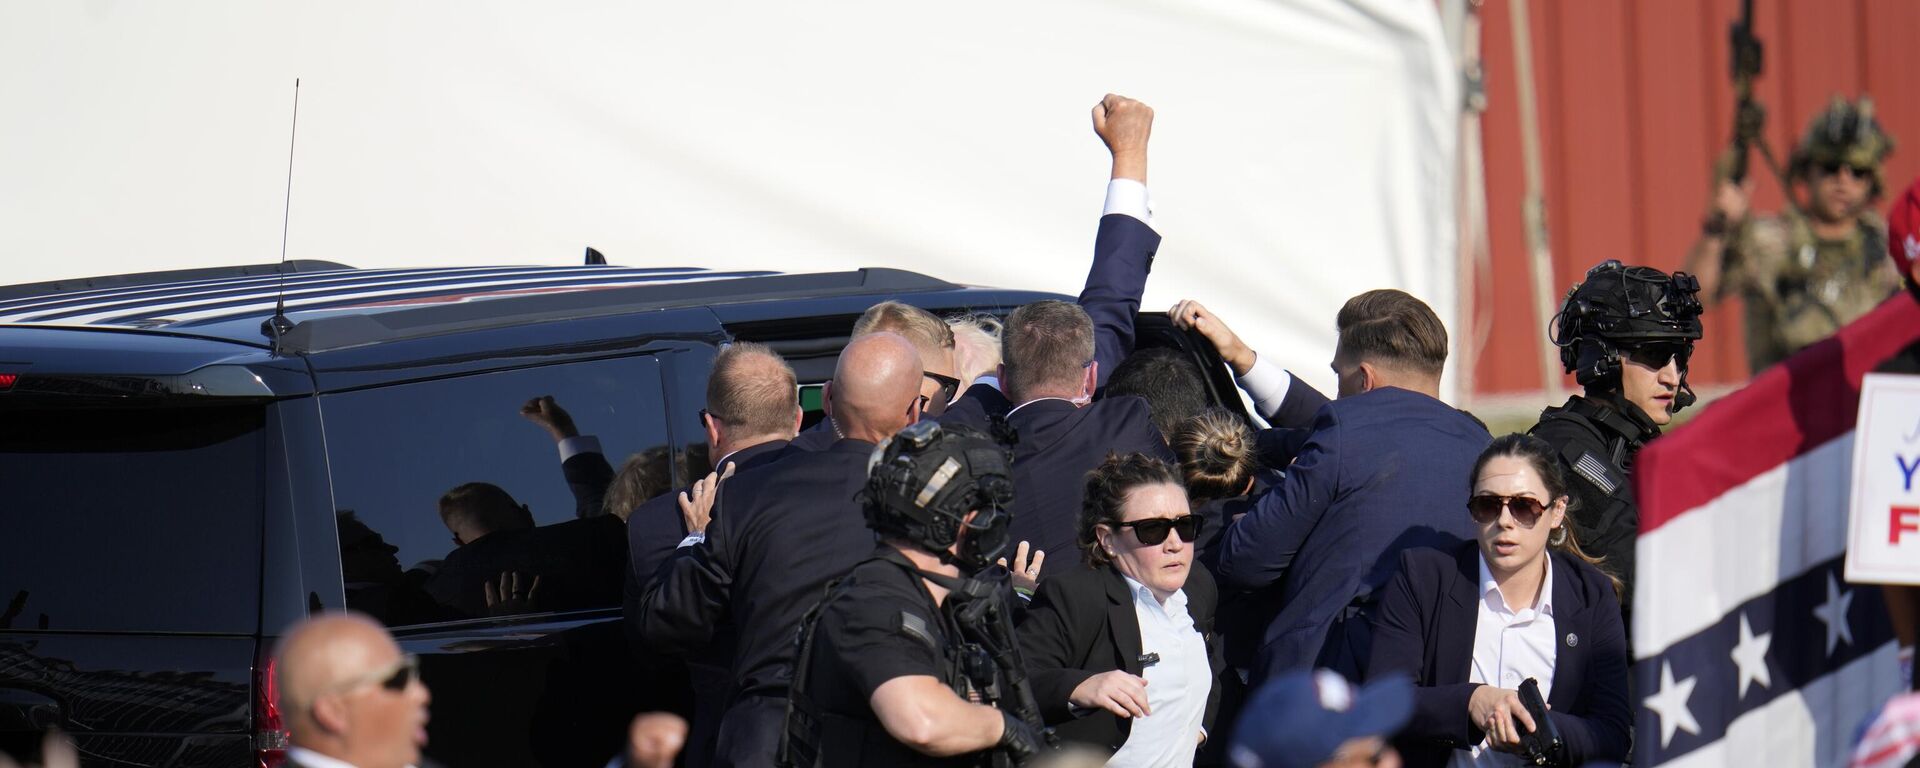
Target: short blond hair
{"type": "Point", "coordinates": [920, 327]}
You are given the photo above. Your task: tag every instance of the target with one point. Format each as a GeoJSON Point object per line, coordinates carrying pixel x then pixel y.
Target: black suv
{"type": "Point", "coordinates": [181, 483]}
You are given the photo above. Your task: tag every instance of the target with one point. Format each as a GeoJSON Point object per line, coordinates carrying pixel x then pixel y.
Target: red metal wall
{"type": "Point", "coordinates": [1634, 104]}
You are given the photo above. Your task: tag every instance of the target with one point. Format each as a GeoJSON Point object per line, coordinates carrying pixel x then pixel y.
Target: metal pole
{"type": "Point", "coordinates": [1535, 206]}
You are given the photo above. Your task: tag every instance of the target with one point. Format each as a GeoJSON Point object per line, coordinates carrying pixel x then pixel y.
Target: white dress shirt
{"type": "Point", "coordinates": [1508, 647]}
{"type": "Point", "coordinates": [308, 758]}
{"type": "Point", "coordinates": [1129, 197]}
{"type": "Point", "coordinates": [1266, 384]}
{"type": "Point", "coordinates": [1177, 686]}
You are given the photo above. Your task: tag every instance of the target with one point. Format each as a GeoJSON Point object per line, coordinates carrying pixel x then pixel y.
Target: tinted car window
{"type": "Point", "coordinates": [131, 519]}
{"type": "Point", "coordinates": [396, 451]}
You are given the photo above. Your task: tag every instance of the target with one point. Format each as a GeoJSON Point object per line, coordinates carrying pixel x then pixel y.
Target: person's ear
{"type": "Point", "coordinates": [1103, 536]}
{"type": "Point", "coordinates": [711, 426]}
{"type": "Point", "coordinates": [330, 713]}
{"type": "Point", "coordinates": [1559, 513]}
{"type": "Point", "coordinates": [799, 417]}
{"type": "Point", "coordinates": [1091, 381]}
{"type": "Point", "coordinates": [826, 399]}
{"type": "Point", "coordinates": [1369, 377]}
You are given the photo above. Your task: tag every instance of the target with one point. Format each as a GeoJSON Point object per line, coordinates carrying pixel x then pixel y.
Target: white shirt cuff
{"type": "Point", "coordinates": [1267, 383]}
{"type": "Point", "coordinates": [1126, 196]}
{"type": "Point", "coordinates": [578, 444]}
{"type": "Point", "coordinates": [692, 538]}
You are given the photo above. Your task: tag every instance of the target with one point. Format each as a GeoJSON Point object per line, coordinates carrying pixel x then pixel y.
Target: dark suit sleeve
{"type": "Point", "coordinates": [1052, 637]}
{"type": "Point", "coordinates": [690, 593]}
{"type": "Point", "coordinates": [1600, 733]}
{"type": "Point", "coordinates": [1122, 255]}
{"type": "Point", "coordinates": [588, 476]}
{"type": "Point", "coordinates": [1297, 409]}
{"type": "Point", "coordinates": [1399, 646]}
{"type": "Point", "coordinates": [1276, 447]}
{"type": "Point", "coordinates": [1257, 550]}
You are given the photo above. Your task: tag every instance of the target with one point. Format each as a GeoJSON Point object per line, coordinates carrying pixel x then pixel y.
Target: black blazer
{"type": "Point", "coordinates": [1425, 627]}
{"type": "Point", "coordinates": [1082, 623]}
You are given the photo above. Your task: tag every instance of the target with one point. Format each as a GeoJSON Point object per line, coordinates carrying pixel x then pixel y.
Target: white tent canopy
{"type": "Point", "coordinates": [1304, 150]}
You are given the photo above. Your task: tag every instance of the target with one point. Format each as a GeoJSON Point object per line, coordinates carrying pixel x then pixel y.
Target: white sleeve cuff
{"type": "Point", "coordinates": [696, 537]}
{"type": "Point", "coordinates": [1267, 383]}
{"type": "Point", "coordinates": [578, 444]}
{"type": "Point", "coordinates": [1129, 197]}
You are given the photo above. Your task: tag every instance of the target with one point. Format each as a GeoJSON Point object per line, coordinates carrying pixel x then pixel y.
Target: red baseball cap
{"type": "Point", "coordinates": [1903, 231]}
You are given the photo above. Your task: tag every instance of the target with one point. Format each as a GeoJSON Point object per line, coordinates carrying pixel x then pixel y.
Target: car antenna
{"type": "Point", "coordinates": [278, 325]}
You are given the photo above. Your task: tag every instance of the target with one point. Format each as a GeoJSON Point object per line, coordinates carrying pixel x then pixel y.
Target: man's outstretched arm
{"type": "Point", "coordinates": [1124, 248]}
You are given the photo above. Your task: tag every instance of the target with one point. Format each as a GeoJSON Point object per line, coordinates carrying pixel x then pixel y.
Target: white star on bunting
{"type": "Point", "coordinates": [1834, 613]}
{"type": "Point", "coordinates": [1671, 705]}
{"type": "Point", "coordinates": [1751, 656]}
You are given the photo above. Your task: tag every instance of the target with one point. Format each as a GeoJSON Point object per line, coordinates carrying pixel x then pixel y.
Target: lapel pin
{"type": "Point", "coordinates": [1572, 640]}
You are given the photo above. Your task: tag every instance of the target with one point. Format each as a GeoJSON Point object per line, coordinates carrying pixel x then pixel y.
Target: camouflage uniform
{"type": "Point", "coordinates": [1799, 288]}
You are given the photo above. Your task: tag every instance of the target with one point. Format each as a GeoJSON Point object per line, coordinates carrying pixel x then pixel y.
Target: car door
{"type": "Point", "coordinates": [518, 628]}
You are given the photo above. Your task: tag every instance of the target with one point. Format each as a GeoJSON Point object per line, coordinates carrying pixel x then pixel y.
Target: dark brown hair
{"type": "Point", "coordinates": [1392, 328]}
{"type": "Point", "coordinates": [1216, 451]}
{"type": "Point", "coordinates": [1107, 489]}
{"type": "Point", "coordinates": [1545, 461]}
{"type": "Point", "coordinates": [752, 388]}
{"type": "Point", "coordinates": [1046, 345]}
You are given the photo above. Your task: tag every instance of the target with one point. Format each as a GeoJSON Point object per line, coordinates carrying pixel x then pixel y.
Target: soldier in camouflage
{"type": "Point", "coordinates": [1626, 333]}
{"type": "Point", "coordinates": [1804, 274]}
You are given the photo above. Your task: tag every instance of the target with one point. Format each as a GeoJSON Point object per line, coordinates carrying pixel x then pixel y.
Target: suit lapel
{"type": "Point", "coordinates": [1569, 658]}
{"type": "Point", "coordinates": [1458, 620]}
{"type": "Point", "coordinates": [1123, 622]}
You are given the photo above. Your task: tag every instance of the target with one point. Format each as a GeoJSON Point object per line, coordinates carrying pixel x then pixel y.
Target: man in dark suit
{"type": "Point", "coordinates": [350, 698]}
{"type": "Point", "coordinates": [779, 534]}
{"type": "Point", "coordinates": [1361, 489]}
{"type": "Point", "coordinates": [1061, 433]}
{"type": "Point", "coordinates": [752, 412]}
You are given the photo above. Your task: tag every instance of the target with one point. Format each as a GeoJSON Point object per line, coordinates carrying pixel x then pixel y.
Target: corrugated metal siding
{"type": "Point", "coordinates": [1635, 104]}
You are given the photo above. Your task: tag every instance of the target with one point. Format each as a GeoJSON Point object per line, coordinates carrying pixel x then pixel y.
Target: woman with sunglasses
{"type": "Point", "coordinates": [1521, 602]}
{"type": "Point", "coordinates": [1121, 651]}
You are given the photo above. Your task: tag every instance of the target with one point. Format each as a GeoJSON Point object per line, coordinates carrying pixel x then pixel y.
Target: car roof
{"type": "Point", "coordinates": [330, 306]}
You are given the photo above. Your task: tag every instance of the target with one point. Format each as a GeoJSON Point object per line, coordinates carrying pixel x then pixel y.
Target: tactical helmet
{"type": "Point", "coordinates": [1620, 307]}
{"type": "Point", "coordinates": [1842, 134]}
{"type": "Point", "coordinates": [923, 481]}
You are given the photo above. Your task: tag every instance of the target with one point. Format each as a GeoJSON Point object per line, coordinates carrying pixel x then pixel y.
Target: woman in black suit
{"type": "Point", "coordinates": [1120, 650]}
{"type": "Point", "coordinates": [1523, 601]}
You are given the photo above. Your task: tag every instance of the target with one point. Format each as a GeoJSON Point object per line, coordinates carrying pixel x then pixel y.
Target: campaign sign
{"type": "Point", "coordinates": [1884, 531]}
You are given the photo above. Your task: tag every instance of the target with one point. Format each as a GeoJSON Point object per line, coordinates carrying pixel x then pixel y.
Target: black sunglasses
{"type": "Point", "coordinates": [402, 677]}
{"type": "Point", "coordinates": [1154, 531]}
{"type": "Point", "coordinates": [1833, 169]}
{"type": "Point", "coordinates": [1485, 509]}
{"type": "Point", "coordinates": [1656, 354]}
{"type": "Point", "coordinates": [949, 386]}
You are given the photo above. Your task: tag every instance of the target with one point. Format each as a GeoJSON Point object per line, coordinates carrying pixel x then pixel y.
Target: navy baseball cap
{"type": "Point", "coordinates": [1299, 719]}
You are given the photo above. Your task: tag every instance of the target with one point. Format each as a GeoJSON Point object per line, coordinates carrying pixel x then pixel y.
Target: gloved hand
{"type": "Point", "coordinates": [1019, 740]}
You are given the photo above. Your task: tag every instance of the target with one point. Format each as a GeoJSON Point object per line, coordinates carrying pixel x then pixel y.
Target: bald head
{"type": "Point", "coordinates": [330, 672]}
{"type": "Point", "coordinates": [874, 386]}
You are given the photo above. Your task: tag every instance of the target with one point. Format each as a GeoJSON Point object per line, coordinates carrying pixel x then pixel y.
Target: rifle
{"type": "Point", "coordinates": [1746, 56]}
{"type": "Point", "coordinates": [985, 621]}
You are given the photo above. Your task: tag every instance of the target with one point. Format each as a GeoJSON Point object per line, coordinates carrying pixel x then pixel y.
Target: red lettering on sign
{"type": "Point", "coordinates": [1902, 522]}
